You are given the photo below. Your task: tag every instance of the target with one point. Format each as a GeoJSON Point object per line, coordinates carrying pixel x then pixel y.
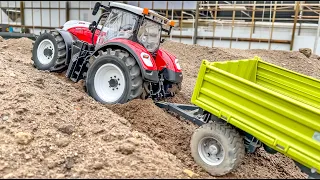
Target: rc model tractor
{"type": "Point", "coordinates": [118, 60]}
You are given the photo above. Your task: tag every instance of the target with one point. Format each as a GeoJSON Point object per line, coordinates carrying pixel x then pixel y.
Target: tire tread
{"type": "Point", "coordinates": [235, 144]}
{"type": "Point", "coordinates": [131, 64]}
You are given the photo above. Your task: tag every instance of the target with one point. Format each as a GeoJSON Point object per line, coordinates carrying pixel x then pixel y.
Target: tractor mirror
{"type": "Point", "coordinates": [92, 25]}
{"type": "Point", "coordinates": [162, 40]}
{"type": "Point", "coordinates": [96, 8]}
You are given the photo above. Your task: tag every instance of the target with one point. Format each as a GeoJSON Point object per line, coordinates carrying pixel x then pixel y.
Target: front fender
{"type": "Point", "coordinates": [68, 40]}
{"type": "Point", "coordinates": [172, 70]}
{"type": "Point", "coordinates": [147, 66]}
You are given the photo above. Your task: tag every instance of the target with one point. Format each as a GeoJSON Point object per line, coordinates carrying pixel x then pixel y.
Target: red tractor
{"type": "Point", "coordinates": [119, 60]}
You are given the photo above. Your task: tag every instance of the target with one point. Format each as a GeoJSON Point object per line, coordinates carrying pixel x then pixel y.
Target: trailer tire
{"type": "Point", "coordinates": [50, 42]}
{"type": "Point", "coordinates": [124, 66]}
{"type": "Point", "coordinates": [223, 136]}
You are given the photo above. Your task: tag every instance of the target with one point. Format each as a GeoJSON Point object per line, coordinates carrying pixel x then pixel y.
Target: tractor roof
{"type": "Point", "coordinates": [143, 11]}
{"type": "Point", "coordinates": [133, 9]}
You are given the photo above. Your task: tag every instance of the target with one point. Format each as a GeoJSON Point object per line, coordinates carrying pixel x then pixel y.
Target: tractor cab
{"type": "Point", "coordinates": [140, 25]}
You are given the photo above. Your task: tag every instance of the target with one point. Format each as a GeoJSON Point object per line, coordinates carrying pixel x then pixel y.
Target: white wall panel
{"type": "Point", "coordinates": [175, 5]}
{"type": "Point", "coordinates": [306, 39]}
{"type": "Point", "coordinates": [4, 3]}
{"type": "Point", "coordinates": [146, 4]}
{"type": "Point", "coordinates": [36, 17]}
{"type": "Point", "coordinates": [133, 3]}
{"type": "Point", "coordinates": [45, 4]}
{"type": "Point", "coordinates": [55, 18]}
{"type": "Point", "coordinates": [54, 4]}
{"type": "Point", "coordinates": [74, 4]}
{"type": "Point", "coordinates": [45, 17]}
{"type": "Point", "coordinates": [160, 4]}
{"type": "Point", "coordinates": [74, 14]}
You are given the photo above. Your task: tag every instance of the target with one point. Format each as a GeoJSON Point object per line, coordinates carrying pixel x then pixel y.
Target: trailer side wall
{"type": "Point", "coordinates": [281, 122]}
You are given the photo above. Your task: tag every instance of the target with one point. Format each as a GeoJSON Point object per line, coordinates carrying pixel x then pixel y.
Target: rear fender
{"type": "Point", "coordinates": [68, 40]}
{"type": "Point", "coordinates": [147, 65]}
{"type": "Point", "coordinates": [168, 61]}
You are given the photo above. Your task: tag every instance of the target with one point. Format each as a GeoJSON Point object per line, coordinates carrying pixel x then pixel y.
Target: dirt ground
{"type": "Point", "coordinates": [50, 128]}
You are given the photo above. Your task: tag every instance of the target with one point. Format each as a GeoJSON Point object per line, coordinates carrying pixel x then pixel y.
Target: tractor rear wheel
{"type": "Point", "coordinates": [49, 52]}
{"type": "Point", "coordinates": [113, 77]}
{"type": "Point", "coordinates": [218, 148]}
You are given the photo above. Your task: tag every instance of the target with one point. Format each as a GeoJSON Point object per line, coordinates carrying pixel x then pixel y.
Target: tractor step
{"type": "Point", "coordinates": [81, 52]}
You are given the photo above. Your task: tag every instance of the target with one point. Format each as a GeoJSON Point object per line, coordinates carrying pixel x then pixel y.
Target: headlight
{"type": "Point", "coordinates": [146, 59]}
{"type": "Point", "coordinates": [176, 61]}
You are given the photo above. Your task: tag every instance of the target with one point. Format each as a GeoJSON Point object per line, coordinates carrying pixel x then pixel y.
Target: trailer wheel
{"type": "Point", "coordinates": [217, 148]}
{"type": "Point", "coordinates": [113, 77]}
{"type": "Point", "coordinates": [49, 52]}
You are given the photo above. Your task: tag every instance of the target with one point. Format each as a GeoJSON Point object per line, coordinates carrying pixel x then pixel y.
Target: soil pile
{"type": "Point", "coordinates": [50, 129]}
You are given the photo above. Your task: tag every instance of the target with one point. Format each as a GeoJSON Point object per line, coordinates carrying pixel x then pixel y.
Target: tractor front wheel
{"type": "Point", "coordinates": [217, 148]}
{"type": "Point", "coordinates": [49, 52]}
{"type": "Point", "coordinates": [114, 77]}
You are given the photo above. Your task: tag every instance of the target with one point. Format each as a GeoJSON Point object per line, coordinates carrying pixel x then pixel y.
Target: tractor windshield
{"type": "Point", "coordinates": [149, 35]}
{"type": "Point", "coordinates": [120, 24]}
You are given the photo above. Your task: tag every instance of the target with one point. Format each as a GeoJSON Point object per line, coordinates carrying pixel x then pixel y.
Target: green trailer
{"type": "Point", "coordinates": [241, 105]}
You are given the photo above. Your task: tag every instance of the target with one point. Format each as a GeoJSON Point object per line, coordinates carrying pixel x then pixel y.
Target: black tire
{"type": "Point", "coordinates": [231, 142]}
{"type": "Point", "coordinates": [128, 66]}
{"type": "Point", "coordinates": [58, 62]}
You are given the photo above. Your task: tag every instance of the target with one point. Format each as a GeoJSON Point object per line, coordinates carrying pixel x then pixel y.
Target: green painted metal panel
{"type": "Point", "coordinates": [278, 106]}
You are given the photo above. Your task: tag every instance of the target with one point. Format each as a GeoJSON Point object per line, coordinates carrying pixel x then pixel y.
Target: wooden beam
{"type": "Point", "coordinates": [67, 11]}
{"type": "Point", "coordinates": [252, 23]}
{"type": "Point", "coordinates": [196, 24]}
{"type": "Point", "coordinates": [233, 39]}
{"type": "Point", "coordinates": [232, 26]}
{"type": "Point", "coordinates": [181, 21]}
{"type": "Point", "coordinates": [22, 13]}
{"type": "Point", "coordinates": [0, 15]}
{"type": "Point", "coordinates": [167, 12]}
{"type": "Point", "coordinates": [40, 15]}
{"type": "Point", "coordinates": [294, 24]}
{"type": "Point", "coordinates": [273, 18]}
{"type": "Point", "coordinates": [38, 27]}
{"type": "Point", "coordinates": [214, 24]}
{"type": "Point", "coordinates": [32, 16]}
{"type": "Point", "coordinates": [49, 14]}
{"type": "Point", "coordinates": [309, 17]}
{"type": "Point", "coordinates": [59, 14]}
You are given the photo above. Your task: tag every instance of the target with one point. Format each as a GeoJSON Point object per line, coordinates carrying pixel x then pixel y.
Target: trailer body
{"type": "Point", "coordinates": [279, 107]}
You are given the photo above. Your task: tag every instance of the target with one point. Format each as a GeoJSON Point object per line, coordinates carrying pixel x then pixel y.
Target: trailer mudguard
{"type": "Point", "coordinates": [68, 40]}
{"type": "Point", "coordinates": [143, 57]}
{"type": "Point", "coordinates": [172, 71]}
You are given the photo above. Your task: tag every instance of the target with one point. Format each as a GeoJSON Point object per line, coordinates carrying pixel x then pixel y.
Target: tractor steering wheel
{"type": "Point", "coordinates": [126, 27]}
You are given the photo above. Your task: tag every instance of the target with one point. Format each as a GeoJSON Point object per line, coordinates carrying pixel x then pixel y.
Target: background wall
{"type": "Point", "coordinates": [38, 16]}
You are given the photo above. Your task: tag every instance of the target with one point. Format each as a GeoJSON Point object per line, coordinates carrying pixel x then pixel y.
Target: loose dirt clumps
{"type": "Point", "coordinates": [49, 129]}
{"type": "Point", "coordinates": [66, 134]}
